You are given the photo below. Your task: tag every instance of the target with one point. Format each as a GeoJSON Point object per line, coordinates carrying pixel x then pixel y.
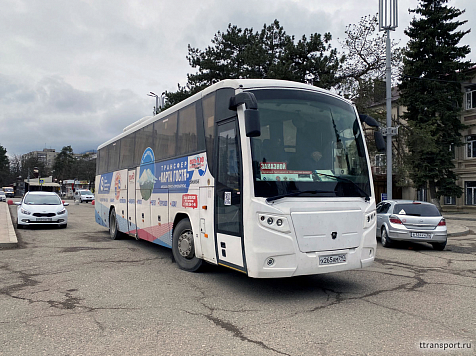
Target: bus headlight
{"type": "Point", "coordinates": [370, 219]}
{"type": "Point", "coordinates": [274, 222]}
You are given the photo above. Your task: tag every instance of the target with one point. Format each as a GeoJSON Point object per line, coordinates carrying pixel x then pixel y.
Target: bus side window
{"type": "Point", "coordinates": [165, 131]}
{"type": "Point", "coordinates": [144, 139]}
{"type": "Point", "coordinates": [113, 157]}
{"type": "Point", "coordinates": [127, 150]}
{"type": "Point", "coordinates": [187, 130]}
{"type": "Point", "coordinates": [208, 104]}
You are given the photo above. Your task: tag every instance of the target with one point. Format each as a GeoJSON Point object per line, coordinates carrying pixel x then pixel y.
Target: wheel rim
{"type": "Point", "coordinates": [185, 244]}
{"type": "Point", "coordinates": [384, 237]}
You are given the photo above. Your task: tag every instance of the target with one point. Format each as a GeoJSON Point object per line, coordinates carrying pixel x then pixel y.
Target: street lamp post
{"type": "Point", "coordinates": [158, 104]}
{"type": "Point", "coordinates": [388, 20]}
{"type": "Point", "coordinates": [156, 110]}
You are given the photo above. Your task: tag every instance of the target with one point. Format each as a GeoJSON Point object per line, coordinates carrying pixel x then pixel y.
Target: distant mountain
{"type": "Point", "coordinates": [88, 151]}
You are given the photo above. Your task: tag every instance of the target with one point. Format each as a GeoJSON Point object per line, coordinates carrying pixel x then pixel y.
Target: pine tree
{"type": "Point", "coordinates": [269, 53]}
{"type": "Point", "coordinates": [4, 167]}
{"type": "Point", "coordinates": [434, 67]}
{"type": "Point", "coordinates": [64, 164]}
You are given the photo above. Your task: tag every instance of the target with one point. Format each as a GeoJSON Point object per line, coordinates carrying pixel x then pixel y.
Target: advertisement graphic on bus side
{"type": "Point", "coordinates": [154, 182]}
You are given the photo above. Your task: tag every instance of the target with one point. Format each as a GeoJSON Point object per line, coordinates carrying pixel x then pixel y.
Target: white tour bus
{"type": "Point", "coordinates": [267, 177]}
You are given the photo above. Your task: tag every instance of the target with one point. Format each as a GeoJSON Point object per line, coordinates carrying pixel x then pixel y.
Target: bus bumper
{"type": "Point", "coordinates": [299, 263]}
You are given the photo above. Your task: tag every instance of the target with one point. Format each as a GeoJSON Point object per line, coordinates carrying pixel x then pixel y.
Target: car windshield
{"type": "Point", "coordinates": [310, 145]}
{"type": "Point", "coordinates": [416, 209]}
{"type": "Point", "coordinates": [31, 199]}
{"type": "Point", "coordinates": [86, 192]}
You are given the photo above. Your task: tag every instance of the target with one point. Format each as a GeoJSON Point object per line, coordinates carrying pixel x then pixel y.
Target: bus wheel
{"type": "Point", "coordinates": [183, 247]}
{"type": "Point", "coordinates": [114, 233]}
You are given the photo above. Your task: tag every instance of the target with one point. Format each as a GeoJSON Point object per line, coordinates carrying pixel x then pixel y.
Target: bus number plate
{"type": "Point", "coordinates": [330, 260]}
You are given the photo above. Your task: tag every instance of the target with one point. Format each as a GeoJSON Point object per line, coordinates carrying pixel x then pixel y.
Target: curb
{"type": "Point", "coordinates": [461, 233]}
{"type": "Point", "coordinates": [11, 237]}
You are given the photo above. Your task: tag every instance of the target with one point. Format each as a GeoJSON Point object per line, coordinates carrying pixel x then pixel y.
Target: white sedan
{"type": "Point", "coordinates": [41, 208]}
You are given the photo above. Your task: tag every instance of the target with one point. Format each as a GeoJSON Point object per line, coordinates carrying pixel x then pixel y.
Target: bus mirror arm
{"type": "Point", "coordinates": [246, 98]}
{"type": "Point", "coordinates": [369, 120]}
{"type": "Point", "coordinates": [252, 123]}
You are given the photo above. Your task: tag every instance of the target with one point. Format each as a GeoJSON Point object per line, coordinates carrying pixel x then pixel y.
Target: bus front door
{"type": "Point", "coordinates": [131, 203]}
{"type": "Point", "coordinates": [228, 199]}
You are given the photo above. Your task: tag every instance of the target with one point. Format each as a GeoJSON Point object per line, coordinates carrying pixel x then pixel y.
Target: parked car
{"type": "Point", "coordinates": [41, 208]}
{"type": "Point", "coordinates": [9, 192]}
{"type": "Point", "coordinates": [2, 196]}
{"type": "Point", "coordinates": [407, 220]}
{"type": "Point", "coordinates": [83, 195]}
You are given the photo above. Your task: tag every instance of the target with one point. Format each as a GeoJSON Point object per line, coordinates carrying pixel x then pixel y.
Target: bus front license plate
{"type": "Point", "coordinates": [330, 260]}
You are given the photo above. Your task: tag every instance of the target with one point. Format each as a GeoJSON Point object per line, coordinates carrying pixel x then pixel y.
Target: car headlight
{"type": "Point", "coordinates": [26, 212]}
{"type": "Point", "coordinates": [61, 212]}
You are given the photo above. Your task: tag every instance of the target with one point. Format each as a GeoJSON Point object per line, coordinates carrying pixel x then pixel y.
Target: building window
{"type": "Point", "coordinates": [470, 99]}
{"type": "Point", "coordinates": [450, 201]}
{"type": "Point", "coordinates": [470, 193]}
{"type": "Point", "coordinates": [422, 194]}
{"type": "Point", "coordinates": [471, 146]}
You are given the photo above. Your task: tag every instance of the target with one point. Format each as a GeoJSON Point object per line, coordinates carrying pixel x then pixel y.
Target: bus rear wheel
{"type": "Point", "coordinates": [114, 232]}
{"type": "Point", "coordinates": [183, 247]}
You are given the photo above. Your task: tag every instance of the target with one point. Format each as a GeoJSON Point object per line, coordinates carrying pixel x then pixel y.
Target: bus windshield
{"type": "Point", "coordinates": [310, 145]}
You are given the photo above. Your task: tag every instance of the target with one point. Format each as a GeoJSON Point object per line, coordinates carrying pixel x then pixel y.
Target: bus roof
{"type": "Point", "coordinates": [227, 83]}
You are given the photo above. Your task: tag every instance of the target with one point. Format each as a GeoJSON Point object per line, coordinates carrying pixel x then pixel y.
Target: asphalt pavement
{"type": "Point", "coordinates": [456, 222]}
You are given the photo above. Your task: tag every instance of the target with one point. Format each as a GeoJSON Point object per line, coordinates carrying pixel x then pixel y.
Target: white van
{"type": "Point", "coordinates": [83, 195]}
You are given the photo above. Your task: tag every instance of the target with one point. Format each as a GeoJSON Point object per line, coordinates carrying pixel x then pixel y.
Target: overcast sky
{"type": "Point", "coordinates": [77, 72]}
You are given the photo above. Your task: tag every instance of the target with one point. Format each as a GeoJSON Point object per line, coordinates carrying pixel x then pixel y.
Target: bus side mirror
{"type": "Point", "coordinates": [379, 141]}
{"type": "Point", "coordinates": [252, 124]}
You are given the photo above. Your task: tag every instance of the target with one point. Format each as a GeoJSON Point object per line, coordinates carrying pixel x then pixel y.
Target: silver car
{"type": "Point", "coordinates": [408, 220]}
{"type": "Point", "coordinates": [2, 196]}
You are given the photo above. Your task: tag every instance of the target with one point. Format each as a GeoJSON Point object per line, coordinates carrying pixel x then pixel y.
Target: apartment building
{"type": "Point", "coordinates": [464, 156]}
{"type": "Point", "coordinates": [47, 156]}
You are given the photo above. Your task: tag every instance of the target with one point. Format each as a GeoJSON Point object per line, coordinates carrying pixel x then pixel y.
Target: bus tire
{"type": "Point", "coordinates": [183, 247]}
{"type": "Point", "coordinates": [114, 232]}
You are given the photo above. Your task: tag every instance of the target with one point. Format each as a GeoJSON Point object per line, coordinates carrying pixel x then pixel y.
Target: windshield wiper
{"type": "Point", "coordinates": [342, 179]}
{"type": "Point", "coordinates": [296, 193]}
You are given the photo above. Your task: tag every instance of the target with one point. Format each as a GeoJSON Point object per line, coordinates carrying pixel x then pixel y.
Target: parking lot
{"type": "Point", "coordinates": [74, 291]}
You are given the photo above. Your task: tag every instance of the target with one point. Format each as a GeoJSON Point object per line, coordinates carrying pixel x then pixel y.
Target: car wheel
{"type": "Point", "coordinates": [19, 226]}
{"type": "Point", "coordinates": [63, 226]}
{"type": "Point", "coordinates": [386, 242]}
{"type": "Point", "coordinates": [114, 233]}
{"type": "Point", "coordinates": [439, 246]}
{"type": "Point", "coordinates": [183, 248]}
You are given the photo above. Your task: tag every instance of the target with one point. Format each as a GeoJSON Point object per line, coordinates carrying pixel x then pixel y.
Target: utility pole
{"type": "Point", "coordinates": [388, 20]}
